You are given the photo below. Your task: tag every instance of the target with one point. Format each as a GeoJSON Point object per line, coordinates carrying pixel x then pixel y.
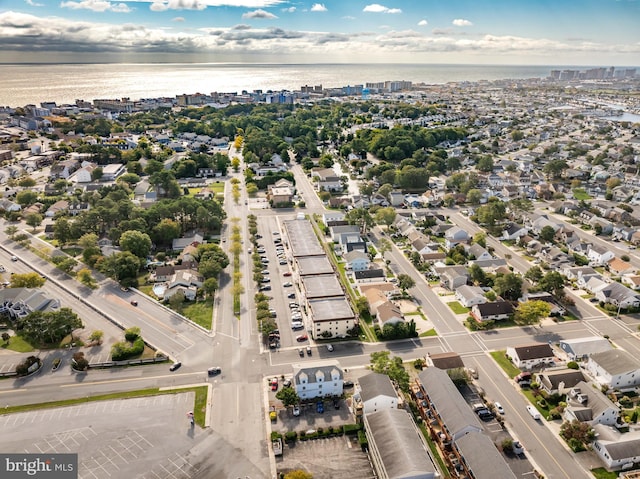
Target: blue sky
{"type": "Point", "coordinates": [545, 32]}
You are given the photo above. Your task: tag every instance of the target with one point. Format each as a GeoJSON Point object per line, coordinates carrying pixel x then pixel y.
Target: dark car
{"type": "Point", "coordinates": [214, 371]}
{"type": "Point", "coordinates": [336, 404]}
{"type": "Point", "coordinates": [347, 384]}
{"type": "Point", "coordinates": [291, 295]}
{"type": "Point", "coordinates": [301, 352]}
{"type": "Point", "coordinates": [175, 366]}
{"type": "Point", "coordinates": [265, 288]}
{"type": "Point", "coordinates": [134, 302]}
{"type": "Point", "coordinates": [320, 407]}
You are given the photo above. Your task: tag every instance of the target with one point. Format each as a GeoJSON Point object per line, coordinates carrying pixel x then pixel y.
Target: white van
{"type": "Point", "coordinates": [534, 412]}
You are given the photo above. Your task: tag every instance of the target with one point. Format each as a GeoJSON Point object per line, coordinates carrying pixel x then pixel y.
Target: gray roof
{"type": "Point", "coordinates": [322, 286]}
{"type": "Point", "coordinates": [482, 457]}
{"type": "Point", "coordinates": [580, 347]}
{"type": "Point", "coordinates": [534, 351]}
{"type": "Point", "coordinates": [469, 292]}
{"type": "Point", "coordinates": [331, 309]}
{"type": "Point", "coordinates": [397, 440]}
{"type": "Point", "coordinates": [375, 384]}
{"type": "Point", "coordinates": [302, 238]}
{"type": "Point", "coordinates": [312, 265]}
{"type": "Point", "coordinates": [312, 371]}
{"type": "Point", "coordinates": [619, 446]}
{"type": "Point", "coordinates": [596, 404]}
{"type": "Point", "coordinates": [551, 379]}
{"type": "Point", "coordinates": [616, 361]}
{"type": "Point", "coordinates": [447, 401]}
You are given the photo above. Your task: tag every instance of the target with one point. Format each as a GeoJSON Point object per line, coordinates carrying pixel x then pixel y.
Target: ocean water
{"type": "Point", "coordinates": [23, 84]}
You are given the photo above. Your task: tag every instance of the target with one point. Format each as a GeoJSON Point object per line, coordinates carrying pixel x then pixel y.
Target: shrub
{"type": "Point", "coordinates": [291, 436]}
{"type": "Point", "coordinates": [573, 365]}
{"type": "Point", "coordinates": [275, 435]}
{"type": "Point", "coordinates": [121, 351]}
{"type": "Point", "coordinates": [23, 368]}
{"type": "Point", "coordinates": [555, 413]}
{"type": "Point", "coordinates": [303, 435]}
{"type": "Point", "coordinates": [351, 429]}
{"type": "Point", "coordinates": [362, 440]}
{"type": "Point", "coordinates": [132, 334]}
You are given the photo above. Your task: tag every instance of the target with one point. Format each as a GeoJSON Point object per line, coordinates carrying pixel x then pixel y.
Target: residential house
{"type": "Point", "coordinates": [632, 281]}
{"type": "Point", "coordinates": [83, 175]}
{"type": "Point", "coordinates": [615, 449]}
{"type": "Point", "coordinates": [618, 295]}
{"type": "Point", "coordinates": [112, 171]}
{"type": "Point", "coordinates": [60, 206]}
{"type": "Point", "coordinates": [601, 226]}
{"type": "Point", "coordinates": [599, 255]}
{"type": "Point", "coordinates": [336, 232]}
{"type": "Point", "coordinates": [478, 252]}
{"type": "Point", "coordinates": [453, 277]}
{"type": "Point", "coordinates": [469, 296]}
{"type": "Point", "coordinates": [575, 272]}
{"type": "Point", "coordinates": [514, 232]}
{"type": "Point", "coordinates": [377, 393]}
{"type": "Point", "coordinates": [541, 221]}
{"type": "Point", "coordinates": [590, 405]}
{"type": "Point", "coordinates": [357, 260]}
{"type": "Point", "coordinates": [185, 281]}
{"type": "Point", "coordinates": [318, 379]}
{"type": "Point", "coordinates": [374, 275]}
{"type": "Point", "coordinates": [331, 216]}
{"type": "Point", "coordinates": [388, 313]}
{"type": "Point", "coordinates": [327, 179]}
{"type": "Point", "coordinates": [616, 369]}
{"type": "Point", "coordinates": [280, 195]}
{"type": "Point", "coordinates": [559, 381]}
{"type": "Point", "coordinates": [529, 356]}
{"type": "Point", "coordinates": [495, 311]}
{"type": "Point", "coordinates": [396, 198]}
{"type": "Point", "coordinates": [446, 361]}
{"type": "Point", "coordinates": [581, 348]}
{"type": "Point", "coordinates": [8, 205]}
{"type": "Point", "coordinates": [181, 243]}
{"type": "Point", "coordinates": [619, 267]}
{"type": "Point", "coordinates": [454, 236]}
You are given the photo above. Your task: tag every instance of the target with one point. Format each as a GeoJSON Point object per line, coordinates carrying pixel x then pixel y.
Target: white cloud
{"type": "Point", "coordinates": [461, 22]}
{"type": "Point", "coordinates": [348, 17]}
{"type": "Point", "coordinates": [34, 4]}
{"type": "Point", "coordinates": [422, 23]}
{"type": "Point", "coordinates": [377, 8]}
{"type": "Point", "coordinates": [289, 10]}
{"type": "Point", "coordinates": [318, 7]}
{"type": "Point", "coordinates": [163, 5]}
{"type": "Point", "coordinates": [96, 6]}
{"type": "Point", "coordinates": [178, 4]}
{"type": "Point", "coordinates": [177, 19]}
{"type": "Point", "coordinates": [259, 14]}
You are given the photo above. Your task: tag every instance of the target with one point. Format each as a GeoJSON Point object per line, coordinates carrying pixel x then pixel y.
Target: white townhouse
{"type": "Point", "coordinates": [318, 379]}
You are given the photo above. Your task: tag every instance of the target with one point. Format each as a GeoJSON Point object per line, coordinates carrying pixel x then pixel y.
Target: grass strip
{"type": "Point", "coordinates": [199, 406]}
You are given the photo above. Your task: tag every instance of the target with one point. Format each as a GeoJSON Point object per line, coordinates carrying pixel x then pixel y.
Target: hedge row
{"type": "Point", "coordinates": [349, 429]}
{"type": "Point", "coordinates": [121, 351]}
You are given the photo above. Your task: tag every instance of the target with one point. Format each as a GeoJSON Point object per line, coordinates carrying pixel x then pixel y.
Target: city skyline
{"type": "Point", "coordinates": [540, 32]}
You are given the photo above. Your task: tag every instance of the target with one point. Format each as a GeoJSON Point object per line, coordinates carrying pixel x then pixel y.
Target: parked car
{"type": "Point", "coordinates": [301, 338]}
{"type": "Point", "coordinates": [517, 448]}
{"type": "Point", "coordinates": [2, 270]}
{"type": "Point", "coordinates": [274, 384]}
{"type": "Point", "coordinates": [282, 262]}
{"type": "Point", "coordinates": [330, 348]}
{"type": "Point", "coordinates": [347, 384]}
{"type": "Point", "coordinates": [266, 287]}
{"type": "Point", "coordinates": [535, 414]}
{"type": "Point", "coordinates": [175, 366]}
{"type": "Point", "coordinates": [287, 273]}
{"type": "Point", "coordinates": [214, 371]}
{"type": "Point", "coordinates": [291, 295]}
{"type": "Point", "coordinates": [288, 284]}
{"type": "Point", "coordinates": [14, 258]}
{"type": "Point", "coordinates": [319, 407]}
{"type": "Point", "coordinates": [296, 325]}
{"type": "Point", "coordinates": [296, 410]}
{"type": "Point", "coordinates": [308, 350]}
{"type": "Point", "coordinates": [336, 403]}
{"type": "Point", "coordinates": [301, 352]}
{"type": "Point", "coordinates": [499, 408]}
{"type": "Point", "coordinates": [286, 383]}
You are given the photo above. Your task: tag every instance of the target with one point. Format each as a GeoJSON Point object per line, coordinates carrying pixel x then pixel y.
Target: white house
{"type": "Point", "coordinates": [599, 255]}
{"type": "Point", "coordinates": [618, 295]}
{"type": "Point", "coordinates": [591, 406]}
{"type": "Point", "coordinates": [615, 449]}
{"type": "Point", "coordinates": [479, 252]}
{"type": "Point", "coordinates": [112, 171]}
{"type": "Point", "coordinates": [377, 393]}
{"type": "Point", "coordinates": [616, 369]}
{"type": "Point", "coordinates": [331, 216]}
{"type": "Point", "coordinates": [514, 232]}
{"type": "Point", "coordinates": [530, 355]}
{"type": "Point", "coordinates": [454, 236]}
{"type": "Point", "coordinates": [469, 296]}
{"type": "Point", "coordinates": [318, 379]}
{"type": "Point", "coordinates": [582, 348]}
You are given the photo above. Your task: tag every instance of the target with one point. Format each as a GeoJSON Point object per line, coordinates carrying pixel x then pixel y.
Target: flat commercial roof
{"type": "Point", "coordinates": [313, 265]}
{"type": "Point", "coordinates": [302, 239]}
{"type": "Point", "coordinates": [331, 309]}
{"type": "Point", "coordinates": [322, 286]}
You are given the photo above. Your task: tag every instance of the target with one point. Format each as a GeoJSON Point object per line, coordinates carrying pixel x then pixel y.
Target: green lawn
{"type": "Point", "coordinates": [434, 450]}
{"type": "Point", "coordinates": [431, 332]}
{"type": "Point", "coordinates": [17, 344]}
{"type": "Point", "coordinates": [217, 188]}
{"type": "Point", "coordinates": [580, 194]}
{"type": "Point", "coordinates": [457, 308]}
{"type": "Point", "coordinates": [602, 473]}
{"type": "Point", "coordinates": [200, 312]}
{"type": "Point", "coordinates": [502, 360]}
{"type": "Point", "coordinates": [72, 250]}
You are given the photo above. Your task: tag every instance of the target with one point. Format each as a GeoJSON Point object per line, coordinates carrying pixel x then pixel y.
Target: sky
{"type": "Point", "coordinates": [521, 32]}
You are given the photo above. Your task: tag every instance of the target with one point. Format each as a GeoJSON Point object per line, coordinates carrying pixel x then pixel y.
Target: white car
{"type": "Point", "coordinates": [517, 448]}
{"type": "Point", "coordinates": [534, 412]}
{"type": "Point", "coordinates": [330, 347]}
{"type": "Point", "coordinates": [499, 408]}
{"type": "Point", "coordinates": [2, 270]}
{"type": "Point", "coordinates": [296, 410]}
{"type": "Point", "coordinates": [288, 284]}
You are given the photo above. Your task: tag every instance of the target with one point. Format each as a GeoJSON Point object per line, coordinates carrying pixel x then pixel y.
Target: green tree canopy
{"type": "Point", "coordinates": [136, 242]}
{"type": "Point", "coordinates": [288, 396]}
{"type": "Point", "coordinates": [531, 312]}
{"type": "Point", "coordinates": [509, 286]}
{"type": "Point", "coordinates": [381, 362]}
{"type": "Point", "coordinates": [27, 280]}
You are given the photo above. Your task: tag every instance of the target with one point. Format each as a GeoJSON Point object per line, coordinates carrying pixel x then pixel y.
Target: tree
{"type": "Point", "coordinates": [27, 280]}
{"type": "Point", "coordinates": [123, 267]}
{"type": "Point", "coordinates": [209, 286]}
{"type": "Point", "coordinates": [554, 168]}
{"type": "Point", "coordinates": [11, 231]}
{"type": "Point", "coordinates": [97, 174]}
{"type": "Point", "coordinates": [136, 242]}
{"type": "Point", "coordinates": [79, 362]}
{"type": "Point", "coordinates": [477, 274]}
{"type": "Point", "coordinates": [288, 396]}
{"type": "Point", "coordinates": [166, 231]}
{"type": "Point", "coordinates": [5, 337]}
{"type": "Point", "coordinates": [176, 301]}
{"type": "Point", "coordinates": [362, 305]}
{"type": "Point", "coordinates": [481, 238]}
{"type": "Point", "coordinates": [531, 312]}
{"type": "Point", "coordinates": [491, 213]}
{"type": "Point", "coordinates": [385, 216]}
{"type": "Point", "coordinates": [26, 182]}
{"type": "Point", "coordinates": [26, 198]}
{"type": "Point", "coordinates": [509, 286]}
{"type": "Point", "coordinates": [96, 336]}
{"type": "Point", "coordinates": [405, 282]}
{"type": "Point", "coordinates": [534, 274]}
{"type": "Point", "coordinates": [485, 164]}
{"type": "Point", "coordinates": [474, 196]}
{"type": "Point", "coordinates": [552, 282]}
{"type": "Point", "coordinates": [580, 431]}
{"type": "Point", "coordinates": [62, 231]}
{"type": "Point", "coordinates": [34, 220]}
{"type": "Point", "coordinates": [360, 216]}
{"type": "Point", "coordinates": [381, 362]}
{"type": "Point", "coordinates": [547, 233]}
{"type": "Point", "coordinates": [50, 327]}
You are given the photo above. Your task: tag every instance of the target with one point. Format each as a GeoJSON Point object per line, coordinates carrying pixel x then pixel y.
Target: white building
{"type": "Point", "coordinates": [616, 369]}
{"type": "Point", "coordinates": [377, 393]}
{"type": "Point", "coordinates": [318, 379]}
